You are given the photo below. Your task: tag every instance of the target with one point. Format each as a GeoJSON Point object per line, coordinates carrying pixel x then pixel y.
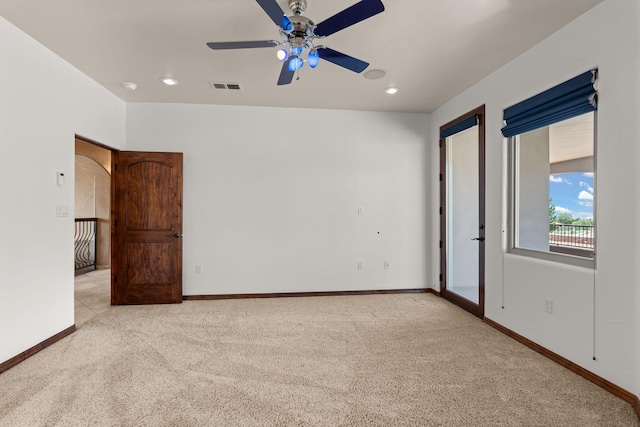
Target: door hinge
{"type": "Point", "coordinates": [115, 166]}
{"type": "Point", "coordinates": [116, 222]}
{"type": "Point", "coordinates": [115, 279]}
{"type": "Point", "coordinates": [440, 244]}
{"type": "Point", "coordinates": [441, 278]}
{"type": "Point", "coordinates": [440, 177]}
{"type": "Point", "coordinates": [440, 210]}
{"type": "Point", "coordinates": [440, 143]}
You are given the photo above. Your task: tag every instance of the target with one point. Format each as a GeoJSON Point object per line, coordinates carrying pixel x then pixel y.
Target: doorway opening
{"type": "Point", "coordinates": [92, 205]}
{"type": "Point", "coordinates": [92, 238]}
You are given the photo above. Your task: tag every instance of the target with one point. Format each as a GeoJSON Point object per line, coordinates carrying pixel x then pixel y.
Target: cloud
{"type": "Point", "coordinates": [588, 174]}
{"type": "Point", "coordinates": [585, 195]}
{"type": "Point", "coordinates": [561, 210]}
{"type": "Point", "coordinates": [553, 178]}
{"type": "Point", "coordinates": [586, 198]}
{"type": "Point", "coordinates": [589, 188]}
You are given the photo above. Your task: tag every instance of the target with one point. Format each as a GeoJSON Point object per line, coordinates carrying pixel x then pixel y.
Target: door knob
{"type": "Point", "coordinates": [478, 238]}
{"type": "Point", "coordinates": [177, 235]}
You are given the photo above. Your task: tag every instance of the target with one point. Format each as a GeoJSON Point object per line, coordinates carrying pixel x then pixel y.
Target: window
{"type": "Point", "coordinates": [552, 173]}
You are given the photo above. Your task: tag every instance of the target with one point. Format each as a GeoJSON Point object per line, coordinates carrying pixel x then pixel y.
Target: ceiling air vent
{"type": "Point", "coordinates": [225, 86]}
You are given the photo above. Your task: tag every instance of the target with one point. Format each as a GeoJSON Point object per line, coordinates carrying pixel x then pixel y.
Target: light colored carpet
{"type": "Point", "coordinates": [92, 295]}
{"type": "Point", "coordinates": [380, 360]}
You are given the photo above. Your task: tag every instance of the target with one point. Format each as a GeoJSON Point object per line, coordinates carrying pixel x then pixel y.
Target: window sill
{"type": "Point", "coordinates": [577, 257]}
{"type": "Point", "coordinates": [579, 252]}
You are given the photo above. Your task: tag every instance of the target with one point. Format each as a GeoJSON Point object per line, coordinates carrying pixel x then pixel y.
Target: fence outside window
{"type": "Point", "coordinates": [571, 235]}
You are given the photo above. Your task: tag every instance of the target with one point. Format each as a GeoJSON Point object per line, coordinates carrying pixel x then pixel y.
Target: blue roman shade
{"type": "Point", "coordinates": [567, 100]}
{"type": "Point", "coordinates": [465, 124]}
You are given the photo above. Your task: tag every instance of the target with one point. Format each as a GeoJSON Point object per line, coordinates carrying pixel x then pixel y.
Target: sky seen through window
{"type": "Point", "coordinates": [572, 193]}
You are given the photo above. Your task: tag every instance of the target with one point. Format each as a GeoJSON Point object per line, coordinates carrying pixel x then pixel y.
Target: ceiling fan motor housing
{"type": "Point", "coordinates": [298, 7]}
{"type": "Point", "coordinates": [301, 25]}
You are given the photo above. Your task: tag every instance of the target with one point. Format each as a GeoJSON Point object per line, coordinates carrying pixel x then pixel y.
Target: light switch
{"type": "Point", "coordinates": [60, 179]}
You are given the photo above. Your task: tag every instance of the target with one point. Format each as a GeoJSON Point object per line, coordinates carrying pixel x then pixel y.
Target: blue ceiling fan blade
{"type": "Point", "coordinates": [351, 15]}
{"type": "Point", "coordinates": [286, 75]}
{"type": "Point", "coordinates": [242, 45]}
{"type": "Point", "coordinates": [273, 10]}
{"type": "Point", "coordinates": [346, 61]}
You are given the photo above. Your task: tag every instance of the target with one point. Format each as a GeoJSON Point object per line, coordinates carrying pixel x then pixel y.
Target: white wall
{"type": "Point", "coordinates": [271, 196]}
{"type": "Point", "coordinates": [44, 102]}
{"type": "Point", "coordinates": [605, 318]}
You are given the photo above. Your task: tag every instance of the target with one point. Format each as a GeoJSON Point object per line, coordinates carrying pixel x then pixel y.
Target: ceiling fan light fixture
{"type": "Point", "coordinates": [286, 23]}
{"type": "Point", "coordinates": [169, 81]}
{"type": "Point", "coordinates": [282, 54]}
{"type": "Point", "coordinates": [295, 63]}
{"type": "Point", "coordinates": [313, 58]}
{"type": "Point", "coordinates": [391, 90]}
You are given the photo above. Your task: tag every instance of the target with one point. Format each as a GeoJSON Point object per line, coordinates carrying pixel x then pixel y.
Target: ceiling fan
{"type": "Point", "coordinates": [298, 33]}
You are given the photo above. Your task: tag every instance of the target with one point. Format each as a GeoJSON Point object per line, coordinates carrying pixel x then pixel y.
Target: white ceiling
{"type": "Point", "coordinates": [431, 49]}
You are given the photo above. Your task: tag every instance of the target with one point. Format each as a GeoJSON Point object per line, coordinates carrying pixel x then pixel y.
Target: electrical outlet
{"type": "Point", "coordinates": [360, 266]}
{"type": "Point", "coordinates": [387, 265]}
{"type": "Point", "coordinates": [198, 269]}
{"type": "Point", "coordinates": [548, 305]}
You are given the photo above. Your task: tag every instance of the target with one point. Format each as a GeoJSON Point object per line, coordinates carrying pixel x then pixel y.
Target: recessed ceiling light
{"type": "Point", "coordinates": [169, 81]}
{"type": "Point", "coordinates": [130, 86]}
{"type": "Point", "coordinates": [375, 74]}
{"type": "Point", "coordinates": [391, 90]}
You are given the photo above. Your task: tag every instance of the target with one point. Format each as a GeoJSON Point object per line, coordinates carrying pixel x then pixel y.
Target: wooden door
{"type": "Point", "coordinates": [146, 237]}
